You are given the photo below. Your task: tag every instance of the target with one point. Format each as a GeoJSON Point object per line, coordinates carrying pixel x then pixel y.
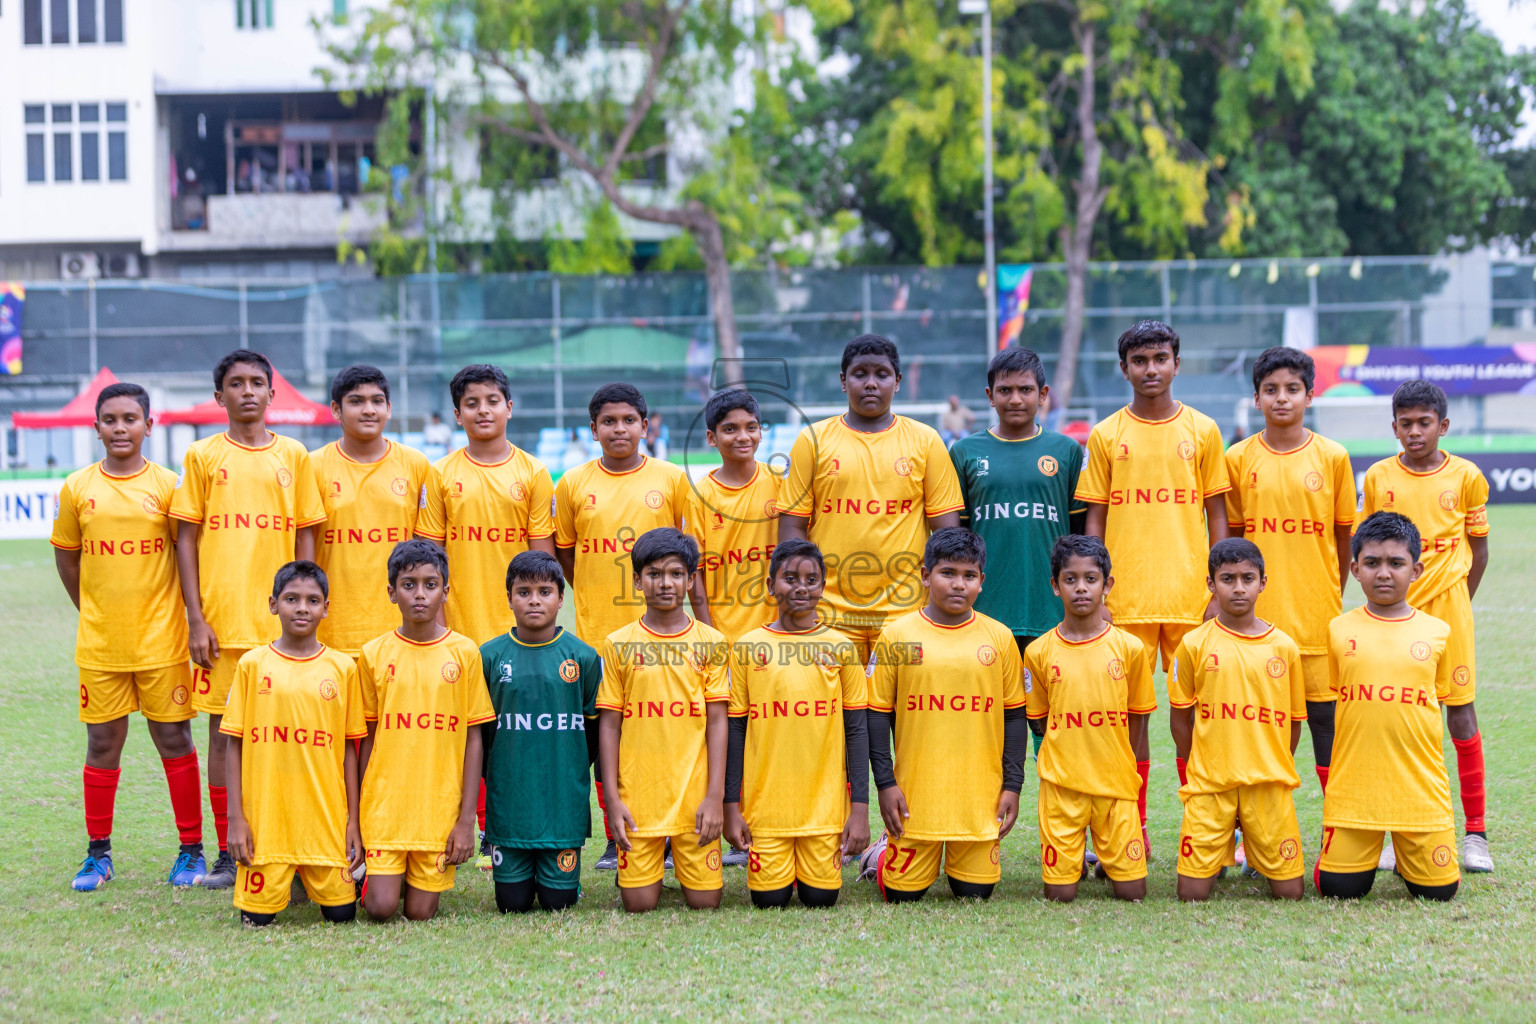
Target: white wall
{"type": "Point", "coordinates": [203, 51]}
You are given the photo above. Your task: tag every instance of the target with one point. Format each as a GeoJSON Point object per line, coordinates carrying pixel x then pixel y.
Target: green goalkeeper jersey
{"type": "Point", "coordinates": [537, 786]}
{"type": "Point", "coordinates": [1018, 497]}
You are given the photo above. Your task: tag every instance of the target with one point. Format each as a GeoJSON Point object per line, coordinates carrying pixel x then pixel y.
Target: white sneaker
{"type": "Point", "coordinates": [1474, 854]}
{"type": "Point", "coordinates": [1388, 861]}
{"type": "Point", "coordinates": [869, 860]}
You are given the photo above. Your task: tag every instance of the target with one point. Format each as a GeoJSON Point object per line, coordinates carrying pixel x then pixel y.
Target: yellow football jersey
{"type": "Point", "coordinates": [1087, 690]}
{"type": "Point", "coordinates": [1288, 503]}
{"type": "Point", "coordinates": [1246, 692]}
{"type": "Point", "coordinates": [131, 614]}
{"type": "Point", "coordinates": [250, 503]}
{"type": "Point", "coordinates": [1448, 505]}
{"type": "Point", "coordinates": [1155, 477]}
{"type": "Point", "coordinates": [737, 528]}
{"type": "Point", "coordinates": [661, 683]}
{"type": "Point", "coordinates": [483, 515]}
{"type": "Point", "coordinates": [868, 498]}
{"type": "Point", "coordinates": [369, 508]}
{"type": "Point", "coordinates": [294, 717]}
{"type": "Point", "coordinates": [1388, 769]}
{"type": "Point", "coordinates": [793, 689]}
{"type": "Point", "coordinates": [948, 686]}
{"type": "Point", "coordinates": [601, 514]}
{"type": "Point", "coordinates": [425, 698]}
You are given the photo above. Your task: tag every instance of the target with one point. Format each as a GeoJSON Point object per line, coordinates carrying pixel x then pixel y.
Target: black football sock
{"type": "Point", "coordinates": [1478, 832]}
{"type": "Point", "coordinates": [557, 899]}
{"type": "Point", "coordinates": [192, 849]}
{"type": "Point", "coordinates": [772, 899]}
{"type": "Point", "coordinates": [903, 896]}
{"type": "Point", "coordinates": [256, 920]}
{"type": "Point", "coordinates": [515, 897]}
{"type": "Point", "coordinates": [1349, 885]}
{"type": "Point", "coordinates": [811, 896]}
{"type": "Point", "coordinates": [340, 915]}
{"type": "Point", "coordinates": [1438, 893]}
{"type": "Point", "coordinates": [97, 847]}
{"type": "Point", "coordinates": [970, 890]}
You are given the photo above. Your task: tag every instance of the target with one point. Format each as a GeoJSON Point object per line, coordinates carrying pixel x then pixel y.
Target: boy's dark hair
{"type": "Point", "coordinates": [1386, 526]}
{"type": "Point", "coordinates": [478, 373]}
{"type": "Point", "coordinates": [871, 345]}
{"type": "Point", "coordinates": [354, 377]}
{"type": "Point", "coordinates": [664, 542]}
{"type": "Point", "coordinates": [1078, 545]}
{"type": "Point", "coordinates": [723, 403]}
{"type": "Point", "coordinates": [792, 549]}
{"type": "Point", "coordinates": [954, 544]}
{"type": "Point", "coordinates": [1016, 360]}
{"type": "Point", "coordinates": [301, 570]}
{"type": "Point", "coordinates": [1281, 358]}
{"type": "Point", "coordinates": [1147, 334]}
{"type": "Point", "coordinates": [536, 567]}
{"type": "Point", "coordinates": [122, 390]}
{"type": "Point", "coordinates": [240, 355]}
{"type": "Point", "coordinates": [617, 394]}
{"type": "Point", "coordinates": [408, 554]}
{"type": "Point", "coordinates": [1231, 551]}
{"type": "Point", "coordinates": [1419, 394]}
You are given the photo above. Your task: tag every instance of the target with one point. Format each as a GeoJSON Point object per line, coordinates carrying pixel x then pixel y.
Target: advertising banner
{"type": "Point", "coordinates": [27, 507]}
{"type": "Point", "coordinates": [12, 296]}
{"type": "Point", "coordinates": [1511, 475]}
{"type": "Point", "coordinates": [1362, 369]}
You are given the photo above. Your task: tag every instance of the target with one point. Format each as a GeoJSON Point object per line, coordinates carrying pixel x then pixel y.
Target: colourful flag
{"type": "Point", "coordinates": [12, 295]}
{"type": "Point", "coordinates": [1012, 301]}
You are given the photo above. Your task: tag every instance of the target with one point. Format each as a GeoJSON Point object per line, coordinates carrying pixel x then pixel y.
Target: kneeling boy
{"type": "Point", "coordinates": [1239, 697]}
{"type": "Point", "coordinates": [294, 708]}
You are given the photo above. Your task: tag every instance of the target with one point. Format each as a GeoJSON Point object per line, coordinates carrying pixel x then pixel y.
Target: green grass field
{"type": "Point", "coordinates": [141, 951]}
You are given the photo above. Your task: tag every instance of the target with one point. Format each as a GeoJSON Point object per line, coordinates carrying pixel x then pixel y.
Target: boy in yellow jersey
{"type": "Point", "coordinates": [1391, 669]}
{"type": "Point", "coordinates": [601, 508]}
{"type": "Point", "coordinates": [1293, 495]}
{"type": "Point", "coordinates": [1090, 688]}
{"type": "Point", "coordinates": [797, 767]}
{"type": "Point", "coordinates": [246, 503]}
{"type": "Point", "coordinates": [1238, 700]}
{"type": "Point", "coordinates": [662, 731]}
{"type": "Point", "coordinates": [1446, 496]}
{"type": "Point", "coordinates": [1154, 485]}
{"type": "Point", "coordinates": [948, 683]}
{"type": "Point", "coordinates": [867, 487]}
{"type": "Point", "coordinates": [294, 708]}
{"type": "Point", "coordinates": [373, 489]}
{"type": "Point", "coordinates": [423, 692]}
{"type": "Point", "coordinates": [113, 546]}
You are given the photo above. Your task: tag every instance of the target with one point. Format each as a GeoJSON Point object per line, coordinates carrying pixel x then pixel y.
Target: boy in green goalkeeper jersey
{"type": "Point", "coordinates": [543, 682]}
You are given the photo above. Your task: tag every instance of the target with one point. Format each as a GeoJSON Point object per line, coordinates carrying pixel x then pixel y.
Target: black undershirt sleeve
{"type": "Point", "coordinates": [881, 725]}
{"type": "Point", "coordinates": [1015, 748]}
{"type": "Point", "coordinates": [487, 738]}
{"type": "Point", "coordinates": [856, 739]}
{"type": "Point", "coordinates": [735, 756]}
{"type": "Point", "coordinates": [593, 739]}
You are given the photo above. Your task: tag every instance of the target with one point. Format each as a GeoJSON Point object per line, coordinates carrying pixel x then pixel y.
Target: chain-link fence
{"type": "Point", "coordinates": [560, 337]}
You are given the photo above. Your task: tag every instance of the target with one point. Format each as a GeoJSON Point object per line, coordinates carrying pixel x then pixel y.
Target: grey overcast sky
{"type": "Point", "coordinates": [1515, 25]}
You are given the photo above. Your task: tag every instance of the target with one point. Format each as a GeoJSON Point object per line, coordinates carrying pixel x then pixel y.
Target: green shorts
{"type": "Point", "coordinates": [552, 869]}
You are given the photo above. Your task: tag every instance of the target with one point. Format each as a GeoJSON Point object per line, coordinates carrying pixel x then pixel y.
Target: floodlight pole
{"type": "Point", "coordinates": [984, 8]}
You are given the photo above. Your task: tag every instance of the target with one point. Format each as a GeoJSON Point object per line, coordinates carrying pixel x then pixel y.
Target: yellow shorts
{"type": "Point", "coordinates": [161, 694]}
{"type": "Point", "coordinates": [1116, 828]}
{"type": "Point", "coordinates": [210, 688]}
{"type": "Point", "coordinates": [1159, 636]}
{"type": "Point", "coordinates": [425, 870]}
{"type": "Point", "coordinates": [1423, 858]}
{"type": "Point", "coordinates": [1318, 678]}
{"type": "Point", "coordinates": [912, 865]}
{"type": "Point", "coordinates": [1454, 608]}
{"type": "Point", "coordinates": [696, 867]}
{"type": "Point", "coordinates": [263, 888]}
{"type": "Point", "coordinates": [1271, 836]}
{"type": "Point", "coordinates": [774, 862]}
{"type": "Point", "coordinates": [863, 637]}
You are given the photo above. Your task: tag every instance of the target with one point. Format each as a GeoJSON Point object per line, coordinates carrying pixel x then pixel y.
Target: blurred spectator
{"type": "Point", "coordinates": [656, 436]}
{"type": "Point", "coordinates": [956, 421]}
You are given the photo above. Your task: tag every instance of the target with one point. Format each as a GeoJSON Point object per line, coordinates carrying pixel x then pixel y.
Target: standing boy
{"type": "Point", "coordinates": [1090, 688]}
{"type": "Point", "coordinates": [246, 502]}
{"type": "Point", "coordinates": [543, 683]}
{"type": "Point", "coordinates": [867, 487]}
{"type": "Point", "coordinates": [373, 490]}
{"type": "Point", "coordinates": [294, 710]}
{"type": "Point", "coordinates": [1392, 670]}
{"type": "Point", "coordinates": [948, 683]}
{"type": "Point", "coordinates": [662, 723]}
{"type": "Point", "coordinates": [797, 768]}
{"type": "Point", "coordinates": [1446, 496]}
{"type": "Point", "coordinates": [115, 552]}
{"type": "Point", "coordinates": [1293, 495]}
{"type": "Point", "coordinates": [423, 693]}
{"type": "Point", "coordinates": [1238, 701]}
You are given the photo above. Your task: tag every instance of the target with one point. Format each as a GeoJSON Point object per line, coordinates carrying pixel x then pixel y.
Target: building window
{"type": "Point", "coordinates": [58, 22]}
{"type": "Point", "coordinates": [32, 22]}
{"type": "Point", "coordinates": [90, 142]}
{"type": "Point", "coordinates": [95, 21]}
{"type": "Point", "coordinates": [117, 142]}
{"type": "Point", "coordinates": [63, 142]}
{"type": "Point", "coordinates": [111, 21]}
{"type": "Point", "coordinates": [64, 118]}
{"type": "Point", "coordinates": [36, 144]}
{"type": "Point", "coordinates": [253, 13]}
{"type": "Point", "coordinates": [85, 19]}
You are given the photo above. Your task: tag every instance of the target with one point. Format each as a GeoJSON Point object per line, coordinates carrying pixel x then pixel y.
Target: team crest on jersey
{"type": "Point", "coordinates": [400, 486]}
{"type": "Point", "coordinates": [713, 860]}
{"type": "Point", "coordinates": [1462, 676]}
{"type": "Point", "coordinates": [1186, 450]}
{"type": "Point", "coordinates": [653, 500]}
{"type": "Point", "coordinates": [565, 860]}
{"type": "Point", "coordinates": [986, 654]}
{"type": "Point", "coordinates": [903, 466]}
{"type": "Point", "coordinates": [771, 508]}
{"type": "Point", "coordinates": [451, 671]}
{"type": "Point", "coordinates": [441, 863]}
{"type": "Point", "coordinates": [982, 467]}
{"type": "Point", "coordinates": [698, 660]}
{"type": "Point", "coordinates": [1448, 500]}
{"type": "Point", "coordinates": [1115, 668]}
{"type": "Point", "coordinates": [179, 695]}
{"type": "Point", "coordinates": [1047, 465]}
{"type": "Point", "coordinates": [1275, 667]}
{"type": "Point", "coordinates": [996, 852]}
{"type": "Point", "coordinates": [1442, 856]}
{"type": "Point", "coordinates": [518, 491]}
{"type": "Point", "coordinates": [327, 689]}
{"type": "Point", "coordinates": [151, 504]}
{"type": "Point", "coordinates": [1288, 849]}
{"type": "Point", "coordinates": [284, 478]}
{"type": "Point", "coordinates": [1134, 850]}
{"type": "Point", "coordinates": [569, 670]}
{"type": "Point", "coordinates": [1420, 650]}
{"type": "Point", "coordinates": [1313, 481]}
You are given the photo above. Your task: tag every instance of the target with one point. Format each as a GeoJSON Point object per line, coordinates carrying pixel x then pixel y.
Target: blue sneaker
{"type": "Point", "coordinates": [94, 873]}
{"type": "Point", "coordinates": [188, 870]}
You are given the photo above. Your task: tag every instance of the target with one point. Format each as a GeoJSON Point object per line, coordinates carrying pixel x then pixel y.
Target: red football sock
{"type": "Point", "coordinates": [601, 803]}
{"type": "Point", "coordinates": [1469, 766]}
{"type": "Point", "coordinates": [181, 778]}
{"type": "Point", "coordinates": [1322, 777]}
{"type": "Point", "coordinates": [480, 806]}
{"type": "Point", "coordinates": [1143, 768]}
{"type": "Point", "coordinates": [218, 799]}
{"type": "Point", "coordinates": [1179, 763]}
{"type": "Point", "coordinates": [100, 800]}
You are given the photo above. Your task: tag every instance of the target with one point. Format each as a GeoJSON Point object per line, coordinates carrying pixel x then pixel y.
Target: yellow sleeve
{"type": "Point", "coordinates": [881, 673]}
{"type": "Point", "coordinates": [189, 499]}
{"type": "Point", "coordinates": [1094, 483]}
{"type": "Point", "coordinates": [565, 519]}
{"type": "Point", "coordinates": [1474, 497]}
{"type": "Point", "coordinates": [1345, 500]}
{"type": "Point", "coordinates": [855, 688]}
{"type": "Point", "coordinates": [1333, 665]}
{"type": "Point", "coordinates": [1443, 673]}
{"type": "Point", "coordinates": [682, 491]}
{"type": "Point", "coordinates": [1141, 698]}
{"type": "Point", "coordinates": [357, 722]}
{"type": "Point", "coordinates": [1213, 463]}
{"type": "Point", "coordinates": [233, 722]}
{"type": "Point", "coordinates": [717, 676]}
{"type": "Point", "coordinates": [1181, 678]}
{"type": "Point", "coordinates": [432, 517]}
{"type": "Point", "coordinates": [66, 521]}
{"type": "Point", "coordinates": [367, 690]}
{"type": "Point", "coordinates": [798, 495]}
{"type": "Point", "coordinates": [692, 519]}
{"type": "Point", "coordinates": [1037, 696]}
{"type": "Point", "coordinates": [941, 485]}
{"type": "Point", "coordinates": [1298, 685]}
{"type": "Point", "coordinates": [612, 691]}
{"type": "Point", "coordinates": [1013, 676]}
{"type": "Point", "coordinates": [1234, 494]}
{"type": "Point", "coordinates": [541, 500]}
{"type": "Point", "coordinates": [479, 697]}
{"type": "Point", "coordinates": [741, 702]}
{"type": "Point", "coordinates": [309, 507]}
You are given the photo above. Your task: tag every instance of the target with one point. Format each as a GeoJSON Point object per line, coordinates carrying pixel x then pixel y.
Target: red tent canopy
{"type": "Point", "coordinates": [79, 411]}
{"type": "Point", "coordinates": [288, 407]}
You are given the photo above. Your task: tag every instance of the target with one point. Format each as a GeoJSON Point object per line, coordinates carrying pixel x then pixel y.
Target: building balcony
{"type": "Point", "coordinates": [274, 220]}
